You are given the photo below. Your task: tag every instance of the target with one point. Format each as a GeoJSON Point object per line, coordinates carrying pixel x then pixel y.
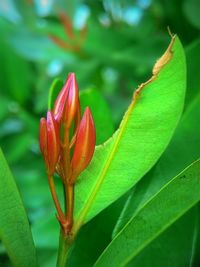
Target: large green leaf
{"type": "Point", "coordinates": [193, 61]}
{"type": "Point", "coordinates": [171, 163]}
{"type": "Point", "coordinates": [86, 255]}
{"type": "Point", "coordinates": [191, 9]}
{"type": "Point", "coordinates": [142, 137]}
{"type": "Point", "coordinates": [169, 204]}
{"type": "Point", "coordinates": [175, 247]}
{"type": "Point", "coordinates": [14, 226]}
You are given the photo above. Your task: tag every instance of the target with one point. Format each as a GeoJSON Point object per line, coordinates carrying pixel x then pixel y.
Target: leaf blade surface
{"type": "Point", "coordinates": [142, 137]}
{"type": "Point", "coordinates": [15, 230]}
{"type": "Point", "coordinates": [169, 204]}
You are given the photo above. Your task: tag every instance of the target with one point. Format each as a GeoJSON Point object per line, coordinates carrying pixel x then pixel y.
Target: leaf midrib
{"type": "Point", "coordinates": [100, 179]}
{"type": "Point", "coordinates": [106, 166]}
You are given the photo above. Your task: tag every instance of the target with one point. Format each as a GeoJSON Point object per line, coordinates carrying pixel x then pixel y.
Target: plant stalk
{"type": "Point", "coordinates": [55, 198]}
{"type": "Point", "coordinates": [63, 250]}
{"type": "Point", "coordinates": [70, 206]}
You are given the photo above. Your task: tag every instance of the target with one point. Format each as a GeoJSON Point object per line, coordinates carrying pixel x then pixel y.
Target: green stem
{"type": "Point", "coordinates": [61, 215]}
{"type": "Point", "coordinates": [63, 251]}
{"type": "Point", "coordinates": [70, 206]}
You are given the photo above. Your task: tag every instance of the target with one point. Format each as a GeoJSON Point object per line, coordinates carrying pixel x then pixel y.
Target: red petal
{"type": "Point", "coordinates": [43, 135]}
{"type": "Point", "coordinates": [53, 146]}
{"type": "Point", "coordinates": [76, 125]}
{"type": "Point", "coordinates": [72, 103]}
{"type": "Point", "coordinates": [84, 145]}
{"type": "Point", "coordinates": [61, 101]}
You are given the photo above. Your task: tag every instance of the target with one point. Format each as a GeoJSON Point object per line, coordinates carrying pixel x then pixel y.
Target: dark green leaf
{"type": "Point", "coordinates": [175, 247]}
{"type": "Point", "coordinates": [161, 211]}
{"type": "Point", "coordinates": [192, 11]}
{"type": "Point", "coordinates": [15, 230]}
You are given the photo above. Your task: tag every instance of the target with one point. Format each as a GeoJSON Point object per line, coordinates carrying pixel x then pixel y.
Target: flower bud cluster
{"type": "Point", "coordinates": [67, 142]}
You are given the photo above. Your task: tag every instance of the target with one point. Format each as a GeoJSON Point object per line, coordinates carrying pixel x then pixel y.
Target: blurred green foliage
{"type": "Point", "coordinates": [113, 49]}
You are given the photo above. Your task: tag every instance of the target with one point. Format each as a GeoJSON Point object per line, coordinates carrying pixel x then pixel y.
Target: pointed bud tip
{"type": "Point", "coordinates": [61, 101]}
{"type": "Point", "coordinates": [71, 75]}
{"type": "Point", "coordinates": [88, 113]}
{"type": "Point", "coordinates": [67, 102]}
{"type": "Point", "coordinates": [72, 102]}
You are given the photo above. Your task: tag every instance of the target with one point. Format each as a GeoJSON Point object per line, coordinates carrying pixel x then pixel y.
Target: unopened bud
{"type": "Point", "coordinates": [60, 102]}
{"type": "Point", "coordinates": [72, 102]}
{"type": "Point", "coordinates": [84, 144]}
{"type": "Point", "coordinates": [49, 142]}
{"type": "Point", "coordinates": [67, 106]}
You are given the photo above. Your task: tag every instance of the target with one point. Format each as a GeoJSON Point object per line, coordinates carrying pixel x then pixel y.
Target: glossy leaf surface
{"type": "Point", "coordinates": [169, 204]}
{"type": "Point", "coordinates": [15, 230]}
{"type": "Point", "coordinates": [175, 247]}
{"type": "Point", "coordinates": [170, 163]}
{"type": "Point", "coordinates": [142, 137]}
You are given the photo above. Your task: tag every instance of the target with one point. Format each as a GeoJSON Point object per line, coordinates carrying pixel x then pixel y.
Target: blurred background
{"type": "Point", "coordinates": [111, 46]}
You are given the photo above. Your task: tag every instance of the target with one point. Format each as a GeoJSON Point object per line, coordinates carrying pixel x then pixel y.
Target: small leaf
{"type": "Point", "coordinates": [169, 204]}
{"type": "Point", "coordinates": [54, 90]}
{"type": "Point", "coordinates": [14, 226]}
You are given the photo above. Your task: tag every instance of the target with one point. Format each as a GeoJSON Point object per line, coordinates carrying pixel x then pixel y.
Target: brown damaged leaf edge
{"type": "Point", "coordinates": [161, 62]}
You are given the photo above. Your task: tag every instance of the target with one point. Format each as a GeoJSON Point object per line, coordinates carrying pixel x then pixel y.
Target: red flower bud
{"type": "Point", "coordinates": [49, 142]}
{"type": "Point", "coordinates": [67, 143]}
{"type": "Point", "coordinates": [72, 103]}
{"type": "Point", "coordinates": [67, 103]}
{"type": "Point", "coordinates": [76, 125]}
{"type": "Point", "coordinates": [84, 144]}
{"type": "Point", "coordinates": [60, 101]}
{"type": "Point", "coordinates": [43, 136]}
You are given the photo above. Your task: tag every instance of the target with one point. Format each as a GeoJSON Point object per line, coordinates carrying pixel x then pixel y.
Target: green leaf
{"type": "Point", "coordinates": [169, 204]}
{"type": "Point", "coordinates": [22, 141]}
{"type": "Point", "coordinates": [86, 255]}
{"type": "Point", "coordinates": [193, 62]}
{"type": "Point", "coordinates": [12, 81]}
{"type": "Point", "coordinates": [175, 247]}
{"type": "Point", "coordinates": [101, 113]}
{"type": "Point", "coordinates": [47, 257]}
{"type": "Point", "coordinates": [192, 9]}
{"type": "Point", "coordinates": [54, 90]}
{"type": "Point", "coordinates": [14, 226]}
{"type": "Point", "coordinates": [142, 137]}
{"type": "Point", "coordinates": [170, 163]}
